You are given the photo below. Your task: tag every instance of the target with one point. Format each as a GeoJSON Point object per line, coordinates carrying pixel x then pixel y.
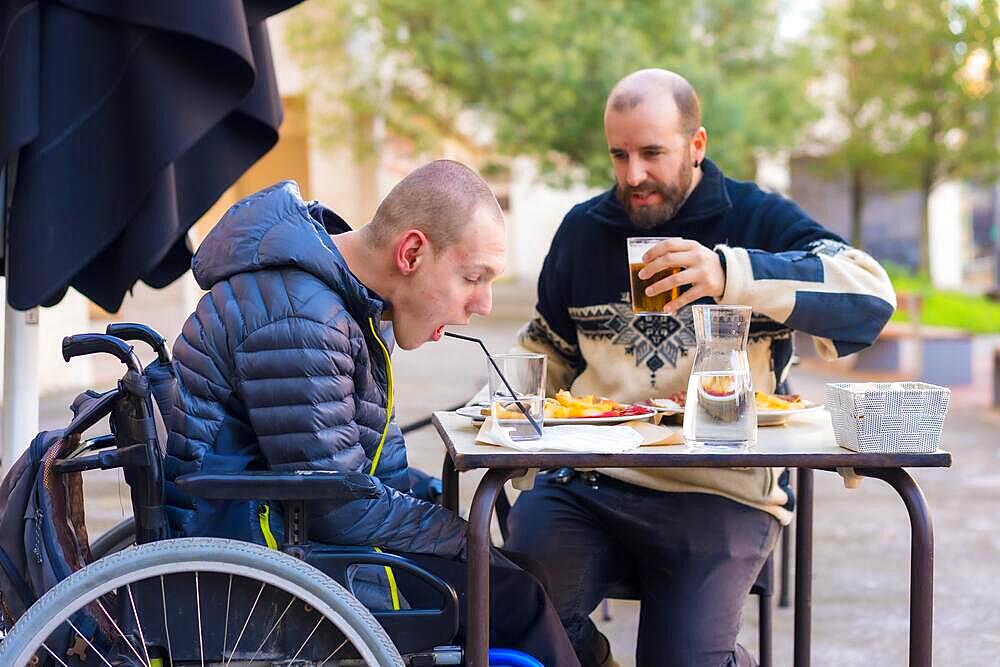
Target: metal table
{"type": "Point", "coordinates": [806, 442]}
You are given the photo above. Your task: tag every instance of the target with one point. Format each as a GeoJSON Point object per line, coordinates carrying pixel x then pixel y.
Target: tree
{"type": "Point", "coordinates": [849, 97]}
{"type": "Point", "coordinates": [537, 72]}
{"type": "Point", "coordinates": [919, 100]}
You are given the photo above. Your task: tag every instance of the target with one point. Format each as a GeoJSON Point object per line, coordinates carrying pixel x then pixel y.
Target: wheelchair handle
{"type": "Point", "coordinates": [148, 335]}
{"type": "Point", "coordinates": [89, 343]}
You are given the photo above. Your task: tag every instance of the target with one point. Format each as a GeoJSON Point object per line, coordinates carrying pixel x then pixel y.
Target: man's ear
{"type": "Point", "coordinates": [411, 248]}
{"type": "Point", "coordinates": [699, 145]}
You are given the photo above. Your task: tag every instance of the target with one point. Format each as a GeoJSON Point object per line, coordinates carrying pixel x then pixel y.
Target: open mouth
{"type": "Point", "coordinates": [436, 336]}
{"type": "Point", "coordinates": [643, 198]}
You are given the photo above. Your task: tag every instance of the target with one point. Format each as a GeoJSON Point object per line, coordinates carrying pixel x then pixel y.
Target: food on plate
{"type": "Point", "coordinates": [567, 406]}
{"type": "Point", "coordinates": [510, 411]}
{"type": "Point", "coordinates": [674, 401]}
{"type": "Point", "coordinates": [763, 400]}
{"type": "Point", "coordinates": [778, 401]}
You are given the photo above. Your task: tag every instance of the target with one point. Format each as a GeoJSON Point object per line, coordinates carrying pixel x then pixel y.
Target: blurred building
{"type": "Point", "coordinates": [962, 217]}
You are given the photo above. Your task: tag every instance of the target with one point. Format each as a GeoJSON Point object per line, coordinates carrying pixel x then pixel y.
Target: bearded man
{"type": "Point", "coordinates": [690, 542]}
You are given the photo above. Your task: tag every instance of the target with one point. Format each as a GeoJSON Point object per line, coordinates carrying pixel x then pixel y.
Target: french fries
{"type": "Point", "coordinates": [566, 406]}
{"type": "Point", "coordinates": [776, 402]}
{"type": "Point", "coordinates": [763, 400]}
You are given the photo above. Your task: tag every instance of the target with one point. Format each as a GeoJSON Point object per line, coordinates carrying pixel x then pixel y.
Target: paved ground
{"type": "Point", "coordinates": [861, 536]}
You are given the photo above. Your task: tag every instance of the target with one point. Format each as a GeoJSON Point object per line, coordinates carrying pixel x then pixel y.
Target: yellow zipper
{"type": "Point", "coordinates": [264, 515]}
{"type": "Point", "coordinates": [393, 589]}
{"type": "Point", "coordinates": [388, 409]}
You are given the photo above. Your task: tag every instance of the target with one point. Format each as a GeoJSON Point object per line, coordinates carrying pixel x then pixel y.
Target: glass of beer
{"type": "Point", "coordinates": [642, 304]}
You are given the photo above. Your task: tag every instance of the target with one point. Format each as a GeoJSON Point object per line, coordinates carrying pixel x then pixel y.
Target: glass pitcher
{"type": "Point", "coordinates": [720, 410]}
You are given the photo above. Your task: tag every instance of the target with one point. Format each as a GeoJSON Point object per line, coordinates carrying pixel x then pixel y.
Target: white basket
{"type": "Point", "coordinates": [888, 417]}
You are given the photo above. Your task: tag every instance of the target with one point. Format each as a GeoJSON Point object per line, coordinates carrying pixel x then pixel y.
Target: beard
{"type": "Point", "coordinates": [673, 195]}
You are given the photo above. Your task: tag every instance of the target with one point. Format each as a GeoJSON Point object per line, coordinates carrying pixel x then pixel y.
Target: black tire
{"type": "Point", "coordinates": [118, 538]}
{"type": "Point", "coordinates": [199, 555]}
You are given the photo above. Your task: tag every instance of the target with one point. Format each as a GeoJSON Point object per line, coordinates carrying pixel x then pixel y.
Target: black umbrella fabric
{"type": "Point", "coordinates": [128, 119]}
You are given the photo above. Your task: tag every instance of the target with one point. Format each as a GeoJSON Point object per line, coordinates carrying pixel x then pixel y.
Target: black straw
{"type": "Point", "coordinates": [534, 424]}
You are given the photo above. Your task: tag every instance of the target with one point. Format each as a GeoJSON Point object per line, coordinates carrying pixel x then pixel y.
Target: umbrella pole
{"type": "Point", "coordinates": [20, 356]}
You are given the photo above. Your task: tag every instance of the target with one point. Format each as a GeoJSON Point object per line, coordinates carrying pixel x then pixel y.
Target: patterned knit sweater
{"type": "Point", "coordinates": [794, 273]}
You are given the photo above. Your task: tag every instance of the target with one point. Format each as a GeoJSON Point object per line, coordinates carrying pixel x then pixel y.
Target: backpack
{"type": "Point", "coordinates": [43, 538]}
{"type": "Point", "coordinates": [43, 533]}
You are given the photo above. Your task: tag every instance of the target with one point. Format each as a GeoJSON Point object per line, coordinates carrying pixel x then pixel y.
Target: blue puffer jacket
{"type": "Point", "coordinates": [284, 366]}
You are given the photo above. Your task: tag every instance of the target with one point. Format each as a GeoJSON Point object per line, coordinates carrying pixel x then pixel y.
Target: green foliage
{"type": "Point", "coordinates": [943, 308]}
{"type": "Point", "coordinates": [537, 72]}
{"type": "Point", "coordinates": [955, 310]}
{"type": "Point", "coordinates": [919, 84]}
{"type": "Point", "coordinates": [916, 90]}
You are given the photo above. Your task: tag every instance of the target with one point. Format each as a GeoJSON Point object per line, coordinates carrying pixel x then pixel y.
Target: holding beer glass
{"type": "Point", "coordinates": [641, 303]}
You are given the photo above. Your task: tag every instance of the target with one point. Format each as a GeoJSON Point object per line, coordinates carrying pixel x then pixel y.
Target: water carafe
{"type": "Point", "coordinates": [720, 410]}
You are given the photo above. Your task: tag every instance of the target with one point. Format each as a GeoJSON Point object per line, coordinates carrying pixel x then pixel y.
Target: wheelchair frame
{"type": "Point", "coordinates": [424, 635]}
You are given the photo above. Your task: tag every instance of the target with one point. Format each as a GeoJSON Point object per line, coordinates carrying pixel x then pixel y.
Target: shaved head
{"type": "Point", "coordinates": [657, 86]}
{"type": "Point", "coordinates": [440, 199]}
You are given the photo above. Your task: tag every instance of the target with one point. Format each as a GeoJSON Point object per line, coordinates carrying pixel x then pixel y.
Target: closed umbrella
{"type": "Point", "coordinates": [121, 122]}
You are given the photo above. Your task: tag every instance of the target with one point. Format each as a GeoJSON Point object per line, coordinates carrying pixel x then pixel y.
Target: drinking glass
{"type": "Point", "coordinates": [642, 304]}
{"type": "Point", "coordinates": [525, 373]}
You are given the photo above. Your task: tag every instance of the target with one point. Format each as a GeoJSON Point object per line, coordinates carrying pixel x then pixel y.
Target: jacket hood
{"type": "Point", "coordinates": [275, 229]}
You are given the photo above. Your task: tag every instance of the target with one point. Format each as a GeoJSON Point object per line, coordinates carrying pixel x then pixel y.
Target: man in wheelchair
{"type": "Point", "coordinates": [285, 366]}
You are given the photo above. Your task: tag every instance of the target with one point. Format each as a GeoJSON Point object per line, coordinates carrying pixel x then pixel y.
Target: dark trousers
{"type": "Point", "coordinates": [690, 558]}
{"type": "Point", "coordinates": [521, 615]}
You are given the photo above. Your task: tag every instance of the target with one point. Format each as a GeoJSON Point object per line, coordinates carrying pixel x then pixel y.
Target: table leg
{"type": "Point", "coordinates": [921, 561]}
{"type": "Point", "coordinates": [449, 484]}
{"type": "Point", "coordinates": [803, 567]}
{"type": "Point", "coordinates": [786, 555]}
{"type": "Point", "coordinates": [786, 568]}
{"type": "Point", "coordinates": [477, 633]}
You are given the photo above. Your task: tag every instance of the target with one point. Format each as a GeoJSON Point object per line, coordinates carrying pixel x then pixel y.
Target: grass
{"type": "Point", "coordinates": [940, 308]}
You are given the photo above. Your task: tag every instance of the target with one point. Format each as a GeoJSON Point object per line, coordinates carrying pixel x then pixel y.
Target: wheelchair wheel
{"type": "Point", "coordinates": [194, 601]}
{"type": "Point", "coordinates": [119, 537]}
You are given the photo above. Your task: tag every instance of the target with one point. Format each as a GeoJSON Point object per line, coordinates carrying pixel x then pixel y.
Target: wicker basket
{"type": "Point", "coordinates": [888, 417]}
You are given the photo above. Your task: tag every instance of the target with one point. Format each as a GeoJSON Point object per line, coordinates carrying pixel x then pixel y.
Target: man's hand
{"type": "Point", "coordinates": [701, 268]}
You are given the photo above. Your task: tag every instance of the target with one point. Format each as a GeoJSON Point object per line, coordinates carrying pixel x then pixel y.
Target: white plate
{"type": "Point", "coordinates": [764, 417]}
{"type": "Point", "coordinates": [665, 405]}
{"type": "Point", "coordinates": [473, 413]}
{"type": "Point", "coordinates": [777, 417]}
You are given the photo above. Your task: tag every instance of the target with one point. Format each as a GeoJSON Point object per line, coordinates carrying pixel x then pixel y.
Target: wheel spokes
{"type": "Point", "coordinates": [138, 625]}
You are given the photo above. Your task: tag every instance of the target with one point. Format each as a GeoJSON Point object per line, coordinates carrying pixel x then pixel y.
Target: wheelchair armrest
{"type": "Point", "coordinates": [270, 485]}
{"type": "Point", "coordinates": [411, 630]}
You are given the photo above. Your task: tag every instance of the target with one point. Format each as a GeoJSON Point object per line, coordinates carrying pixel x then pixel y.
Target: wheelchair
{"type": "Point", "coordinates": [146, 598]}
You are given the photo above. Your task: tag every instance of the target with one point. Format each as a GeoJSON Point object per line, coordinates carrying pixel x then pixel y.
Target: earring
{"type": "Point", "coordinates": [696, 163]}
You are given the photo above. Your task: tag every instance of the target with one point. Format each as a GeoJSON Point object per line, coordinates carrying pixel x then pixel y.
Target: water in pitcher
{"type": "Point", "coordinates": [722, 408]}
